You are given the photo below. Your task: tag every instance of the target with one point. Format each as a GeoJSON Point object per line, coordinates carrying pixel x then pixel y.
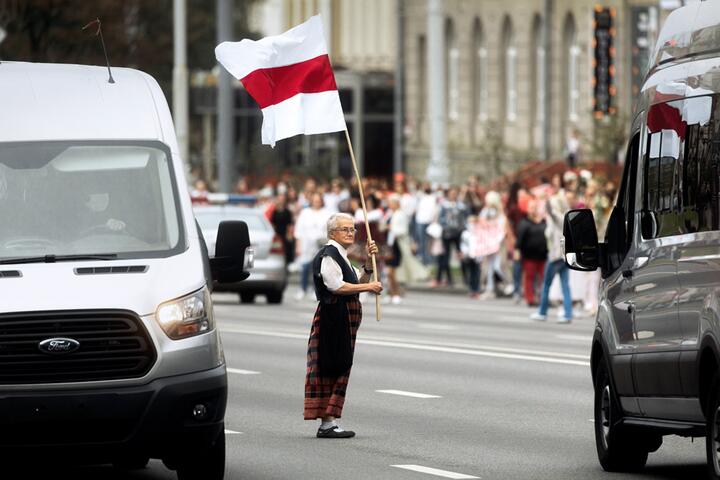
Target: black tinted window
{"type": "Point", "coordinates": [661, 191]}
{"type": "Point", "coordinates": [700, 165]}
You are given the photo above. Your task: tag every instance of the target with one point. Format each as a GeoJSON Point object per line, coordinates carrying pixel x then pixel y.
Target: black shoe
{"type": "Point", "coordinates": [334, 432]}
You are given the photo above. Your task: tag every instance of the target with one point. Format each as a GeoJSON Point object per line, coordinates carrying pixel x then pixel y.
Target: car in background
{"type": "Point", "coordinates": [269, 275]}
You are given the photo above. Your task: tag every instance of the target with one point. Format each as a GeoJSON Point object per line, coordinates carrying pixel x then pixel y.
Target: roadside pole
{"type": "Point", "coordinates": [180, 81]}
{"type": "Point", "coordinates": [225, 103]}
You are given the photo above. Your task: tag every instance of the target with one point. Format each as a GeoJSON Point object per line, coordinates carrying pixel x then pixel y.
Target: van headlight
{"type": "Point", "coordinates": [187, 316]}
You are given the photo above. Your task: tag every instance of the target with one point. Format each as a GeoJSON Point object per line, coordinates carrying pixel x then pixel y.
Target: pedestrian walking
{"type": "Point", "coordinates": [335, 325]}
{"type": "Point", "coordinates": [515, 214]}
{"type": "Point", "coordinates": [402, 266]}
{"type": "Point", "coordinates": [557, 207]}
{"type": "Point", "coordinates": [468, 251]}
{"type": "Point", "coordinates": [425, 214]}
{"type": "Point", "coordinates": [453, 214]}
{"type": "Point", "coordinates": [282, 221]}
{"type": "Point", "coordinates": [531, 249]}
{"type": "Point", "coordinates": [490, 231]}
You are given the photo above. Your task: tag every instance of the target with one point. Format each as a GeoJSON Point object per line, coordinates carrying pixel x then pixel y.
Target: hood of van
{"type": "Point", "coordinates": [89, 285]}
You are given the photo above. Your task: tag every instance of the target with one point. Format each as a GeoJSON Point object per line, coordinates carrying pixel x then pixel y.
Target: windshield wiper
{"type": "Point", "coordinates": [60, 258]}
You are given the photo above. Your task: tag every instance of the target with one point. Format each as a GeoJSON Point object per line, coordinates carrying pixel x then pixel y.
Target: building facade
{"type": "Point", "coordinates": [495, 90]}
{"type": "Point", "coordinates": [511, 94]}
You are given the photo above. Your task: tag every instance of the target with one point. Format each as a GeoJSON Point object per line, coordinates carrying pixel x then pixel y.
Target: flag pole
{"type": "Point", "coordinates": [367, 225]}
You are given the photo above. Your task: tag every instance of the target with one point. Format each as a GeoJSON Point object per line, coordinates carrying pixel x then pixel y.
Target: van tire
{"type": "Point", "coordinates": [274, 296]}
{"type": "Point", "coordinates": [247, 297]}
{"type": "Point", "coordinates": [207, 465]}
{"type": "Point", "coordinates": [713, 429]}
{"type": "Point", "coordinates": [619, 449]}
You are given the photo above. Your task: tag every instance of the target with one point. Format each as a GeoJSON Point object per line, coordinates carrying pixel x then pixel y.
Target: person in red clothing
{"type": "Point", "coordinates": [531, 246]}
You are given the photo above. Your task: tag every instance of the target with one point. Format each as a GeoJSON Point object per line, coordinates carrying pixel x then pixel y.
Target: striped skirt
{"type": "Point", "coordinates": [325, 396]}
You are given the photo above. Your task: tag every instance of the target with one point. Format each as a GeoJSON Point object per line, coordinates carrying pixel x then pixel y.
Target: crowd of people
{"type": "Point", "coordinates": [493, 243]}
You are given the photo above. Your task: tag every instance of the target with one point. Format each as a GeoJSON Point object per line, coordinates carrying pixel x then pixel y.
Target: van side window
{"type": "Point", "coordinates": [700, 165]}
{"type": "Point", "coordinates": [661, 189]}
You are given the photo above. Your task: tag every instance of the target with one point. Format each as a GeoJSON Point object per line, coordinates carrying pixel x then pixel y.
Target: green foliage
{"type": "Point", "coordinates": [137, 33]}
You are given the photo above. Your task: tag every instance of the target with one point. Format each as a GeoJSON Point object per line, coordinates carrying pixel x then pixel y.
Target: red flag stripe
{"type": "Point", "coordinates": [270, 86]}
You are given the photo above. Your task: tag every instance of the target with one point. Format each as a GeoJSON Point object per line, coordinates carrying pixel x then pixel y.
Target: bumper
{"type": "Point", "coordinates": [154, 420]}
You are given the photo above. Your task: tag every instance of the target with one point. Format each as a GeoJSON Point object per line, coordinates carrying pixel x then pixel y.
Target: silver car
{"type": "Point", "coordinates": [268, 276]}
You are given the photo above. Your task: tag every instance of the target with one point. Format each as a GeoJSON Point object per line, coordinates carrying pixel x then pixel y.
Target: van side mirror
{"type": "Point", "coordinates": [233, 254]}
{"type": "Point", "coordinates": [581, 243]}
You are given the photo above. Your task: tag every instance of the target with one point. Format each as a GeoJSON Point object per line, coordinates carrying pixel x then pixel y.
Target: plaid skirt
{"type": "Point", "coordinates": [325, 396]}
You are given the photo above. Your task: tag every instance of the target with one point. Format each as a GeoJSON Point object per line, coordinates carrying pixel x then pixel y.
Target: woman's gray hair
{"type": "Point", "coordinates": [334, 219]}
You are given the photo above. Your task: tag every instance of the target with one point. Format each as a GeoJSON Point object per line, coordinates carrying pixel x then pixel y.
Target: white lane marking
{"type": "Point", "coordinates": [436, 326]}
{"type": "Point", "coordinates": [232, 432]}
{"type": "Point", "coordinates": [434, 471]}
{"type": "Point", "coordinates": [426, 347]}
{"type": "Point", "coordinates": [242, 372]}
{"type": "Point", "coordinates": [408, 394]}
{"type": "Point", "coordinates": [583, 338]}
{"type": "Point", "coordinates": [468, 345]}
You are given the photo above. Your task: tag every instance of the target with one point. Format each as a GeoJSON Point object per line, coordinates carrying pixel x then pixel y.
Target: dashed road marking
{"type": "Point", "coordinates": [435, 471]}
{"type": "Point", "coordinates": [408, 394]}
{"type": "Point", "coordinates": [583, 338]}
{"type": "Point", "coordinates": [242, 372]}
{"type": "Point", "coordinates": [436, 326]}
{"type": "Point", "coordinates": [232, 432]}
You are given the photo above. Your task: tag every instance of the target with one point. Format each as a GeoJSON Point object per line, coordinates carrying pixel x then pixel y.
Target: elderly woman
{"type": "Point", "coordinates": [335, 325]}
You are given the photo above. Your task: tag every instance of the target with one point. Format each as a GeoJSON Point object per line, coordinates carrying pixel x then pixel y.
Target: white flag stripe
{"type": "Point", "coordinates": [306, 113]}
{"type": "Point", "coordinates": [435, 471]}
{"type": "Point", "coordinates": [301, 43]}
{"type": "Point", "coordinates": [408, 394]}
{"type": "Point", "coordinates": [242, 372]}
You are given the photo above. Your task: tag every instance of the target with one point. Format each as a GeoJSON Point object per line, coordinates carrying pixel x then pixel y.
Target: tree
{"type": "Point", "coordinates": [137, 33]}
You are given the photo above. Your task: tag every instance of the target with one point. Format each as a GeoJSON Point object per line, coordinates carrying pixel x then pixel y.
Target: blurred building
{"type": "Point", "coordinates": [495, 86]}
{"type": "Point", "coordinates": [361, 37]}
{"type": "Point", "coordinates": [501, 108]}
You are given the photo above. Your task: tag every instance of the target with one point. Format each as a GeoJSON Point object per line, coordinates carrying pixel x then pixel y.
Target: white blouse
{"type": "Point", "coordinates": [330, 270]}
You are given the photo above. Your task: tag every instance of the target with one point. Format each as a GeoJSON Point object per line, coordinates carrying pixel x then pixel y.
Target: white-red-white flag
{"type": "Point", "coordinates": [290, 78]}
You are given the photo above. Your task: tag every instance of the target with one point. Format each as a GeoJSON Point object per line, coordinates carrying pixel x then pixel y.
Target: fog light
{"type": "Point", "coordinates": [200, 411]}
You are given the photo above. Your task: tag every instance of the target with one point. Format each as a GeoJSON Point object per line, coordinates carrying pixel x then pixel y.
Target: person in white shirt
{"type": "Point", "coordinates": [310, 235]}
{"type": "Point", "coordinates": [425, 214]}
{"type": "Point", "coordinates": [335, 325]}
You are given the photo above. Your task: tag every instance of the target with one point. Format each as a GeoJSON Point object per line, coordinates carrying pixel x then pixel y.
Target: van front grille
{"type": "Point", "coordinates": [112, 345]}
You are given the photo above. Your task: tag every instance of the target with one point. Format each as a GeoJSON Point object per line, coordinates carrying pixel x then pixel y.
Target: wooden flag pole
{"type": "Point", "coordinates": [367, 225]}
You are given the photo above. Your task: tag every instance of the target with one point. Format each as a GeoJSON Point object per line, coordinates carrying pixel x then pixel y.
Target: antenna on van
{"type": "Point", "coordinates": [98, 33]}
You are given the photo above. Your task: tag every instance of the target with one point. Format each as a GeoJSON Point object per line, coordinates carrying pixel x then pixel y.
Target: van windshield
{"type": "Point", "coordinates": [64, 199]}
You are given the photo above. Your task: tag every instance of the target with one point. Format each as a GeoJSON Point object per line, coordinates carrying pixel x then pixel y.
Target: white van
{"type": "Point", "coordinates": [108, 345]}
{"type": "Point", "coordinates": [656, 348]}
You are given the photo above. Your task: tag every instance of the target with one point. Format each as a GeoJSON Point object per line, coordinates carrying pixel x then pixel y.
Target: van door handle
{"type": "Point", "coordinates": [627, 273]}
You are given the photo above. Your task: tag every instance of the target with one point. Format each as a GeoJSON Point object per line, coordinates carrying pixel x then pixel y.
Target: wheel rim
{"type": "Point", "coordinates": [605, 416]}
{"type": "Point", "coordinates": [716, 441]}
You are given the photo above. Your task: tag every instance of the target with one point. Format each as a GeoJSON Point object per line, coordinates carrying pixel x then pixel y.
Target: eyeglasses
{"type": "Point", "coordinates": [347, 230]}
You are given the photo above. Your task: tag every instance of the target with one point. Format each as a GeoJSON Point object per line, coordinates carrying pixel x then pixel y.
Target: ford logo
{"type": "Point", "coordinates": [58, 346]}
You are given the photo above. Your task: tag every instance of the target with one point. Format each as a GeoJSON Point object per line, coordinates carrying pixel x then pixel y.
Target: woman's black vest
{"type": "Point", "coordinates": [335, 353]}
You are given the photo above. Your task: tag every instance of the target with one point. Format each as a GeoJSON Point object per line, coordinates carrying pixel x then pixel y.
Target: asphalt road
{"type": "Point", "coordinates": [472, 389]}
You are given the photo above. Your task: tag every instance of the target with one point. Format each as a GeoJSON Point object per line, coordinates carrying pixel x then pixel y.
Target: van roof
{"type": "Point", "coordinates": [76, 102]}
{"type": "Point", "coordinates": [689, 31]}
